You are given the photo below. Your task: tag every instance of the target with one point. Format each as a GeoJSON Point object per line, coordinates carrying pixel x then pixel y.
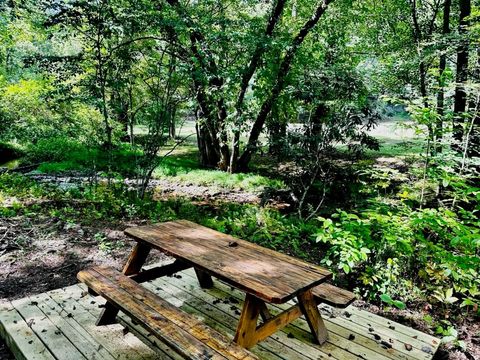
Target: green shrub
{"type": "Point", "coordinates": [59, 149]}
{"type": "Point", "coordinates": [403, 249]}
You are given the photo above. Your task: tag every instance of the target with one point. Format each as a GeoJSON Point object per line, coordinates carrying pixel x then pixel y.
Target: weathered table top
{"type": "Point", "coordinates": [264, 273]}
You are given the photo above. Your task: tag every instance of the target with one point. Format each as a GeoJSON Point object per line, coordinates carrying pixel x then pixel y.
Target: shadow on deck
{"type": "Point", "coordinates": [60, 324]}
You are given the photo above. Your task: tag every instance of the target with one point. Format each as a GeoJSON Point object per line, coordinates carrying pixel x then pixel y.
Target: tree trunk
{"type": "Point", "coordinates": [283, 71]}
{"type": "Point", "coordinates": [276, 13]}
{"type": "Point", "coordinates": [474, 148]}
{"type": "Point", "coordinates": [314, 127]}
{"type": "Point", "coordinates": [420, 36]}
{"type": "Point", "coordinates": [277, 129]}
{"type": "Point", "coordinates": [209, 155]}
{"type": "Point", "coordinates": [212, 114]}
{"type": "Point", "coordinates": [172, 130]}
{"type": "Point", "coordinates": [441, 81]}
{"type": "Point", "coordinates": [460, 104]}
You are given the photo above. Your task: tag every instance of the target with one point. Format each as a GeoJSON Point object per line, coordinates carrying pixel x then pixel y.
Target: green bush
{"type": "Point", "coordinates": [59, 149]}
{"type": "Point", "coordinates": [404, 250]}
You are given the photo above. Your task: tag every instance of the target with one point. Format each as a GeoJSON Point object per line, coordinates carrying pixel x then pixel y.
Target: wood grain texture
{"type": "Point", "coordinates": [246, 330]}
{"type": "Point", "coordinates": [48, 332]}
{"type": "Point", "coordinates": [277, 323]}
{"type": "Point", "coordinates": [184, 333]}
{"type": "Point", "coordinates": [264, 273]}
{"type": "Point", "coordinates": [332, 295]}
{"type": "Point", "coordinates": [137, 258]}
{"type": "Point", "coordinates": [21, 339]}
{"type": "Point", "coordinates": [340, 325]}
{"type": "Point", "coordinates": [308, 305]}
{"type": "Point", "coordinates": [350, 335]}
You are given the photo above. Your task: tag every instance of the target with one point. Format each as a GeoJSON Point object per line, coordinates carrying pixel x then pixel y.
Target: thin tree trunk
{"type": "Point", "coordinates": [260, 49]}
{"type": "Point", "coordinates": [277, 129]}
{"type": "Point", "coordinates": [213, 114]}
{"type": "Point", "coordinates": [208, 152]}
{"type": "Point", "coordinates": [441, 81]}
{"type": "Point", "coordinates": [314, 127]}
{"type": "Point", "coordinates": [419, 37]}
{"type": "Point", "coordinates": [284, 69]}
{"type": "Point", "coordinates": [460, 104]}
{"type": "Point", "coordinates": [474, 149]}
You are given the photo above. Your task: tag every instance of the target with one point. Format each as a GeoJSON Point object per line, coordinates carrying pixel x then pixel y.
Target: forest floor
{"type": "Point", "coordinates": [40, 251]}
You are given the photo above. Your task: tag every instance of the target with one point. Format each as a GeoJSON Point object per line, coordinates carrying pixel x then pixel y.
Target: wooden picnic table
{"type": "Point", "coordinates": [266, 276]}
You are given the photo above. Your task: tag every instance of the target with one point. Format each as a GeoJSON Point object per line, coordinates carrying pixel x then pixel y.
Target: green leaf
{"type": "Point", "coordinates": [386, 298]}
{"type": "Point", "coordinates": [399, 304]}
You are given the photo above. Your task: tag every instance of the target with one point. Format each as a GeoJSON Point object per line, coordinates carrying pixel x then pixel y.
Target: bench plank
{"type": "Point", "coordinates": [180, 330]}
{"type": "Point", "coordinates": [332, 295]}
{"type": "Point", "coordinates": [178, 317]}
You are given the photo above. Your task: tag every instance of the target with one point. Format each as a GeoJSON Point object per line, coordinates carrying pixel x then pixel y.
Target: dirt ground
{"type": "Point", "coordinates": [44, 253]}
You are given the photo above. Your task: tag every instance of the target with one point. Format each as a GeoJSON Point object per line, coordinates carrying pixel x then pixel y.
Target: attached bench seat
{"type": "Point", "coordinates": [332, 295]}
{"type": "Point", "coordinates": [183, 332]}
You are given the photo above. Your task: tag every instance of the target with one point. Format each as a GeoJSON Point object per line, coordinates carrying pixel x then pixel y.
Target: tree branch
{"type": "Point", "coordinates": [277, 10]}
{"type": "Point", "coordinates": [284, 69]}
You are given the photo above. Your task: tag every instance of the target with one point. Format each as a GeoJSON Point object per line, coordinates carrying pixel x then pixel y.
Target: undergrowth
{"type": "Point", "coordinates": [390, 251]}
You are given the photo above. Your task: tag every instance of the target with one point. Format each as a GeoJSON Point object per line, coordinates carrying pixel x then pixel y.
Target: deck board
{"type": "Point", "coordinates": [60, 324]}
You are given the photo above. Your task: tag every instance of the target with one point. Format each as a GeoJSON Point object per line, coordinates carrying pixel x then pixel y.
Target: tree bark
{"type": "Point", "coordinates": [460, 103]}
{"type": "Point", "coordinates": [213, 113]}
{"type": "Point", "coordinates": [277, 129]}
{"type": "Point", "coordinates": [420, 36]}
{"type": "Point", "coordinates": [314, 127]}
{"type": "Point", "coordinates": [474, 149]}
{"type": "Point", "coordinates": [208, 152]}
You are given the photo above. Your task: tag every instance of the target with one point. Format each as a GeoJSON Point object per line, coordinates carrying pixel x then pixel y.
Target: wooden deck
{"type": "Point", "coordinates": [60, 324]}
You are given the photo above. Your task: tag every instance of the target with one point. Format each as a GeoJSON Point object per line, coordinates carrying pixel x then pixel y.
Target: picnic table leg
{"type": "Point", "coordinates": [309, 308]}
{"type": "Point", "coordinates": [204, 279]}
{"type": "Point", "coordinates": [246, 329]}
{"type": "Point", "coordinates": [134, 264]}
{"type": "Point", "coordinates": [264, 312]}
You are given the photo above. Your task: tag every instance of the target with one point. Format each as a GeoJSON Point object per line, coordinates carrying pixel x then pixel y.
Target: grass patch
{"type": "Point", "coordinates": [183, 167]}
{"type": "Point", "coordinates": [392, 148]}
{"type": "Point", "coordinates": [247, 182]}
{"type": "Point", "coordinates": [58, 155]}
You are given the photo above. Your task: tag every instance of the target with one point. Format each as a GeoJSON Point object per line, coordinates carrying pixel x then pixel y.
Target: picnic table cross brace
{"type": "Point", "coordinates": [132, 268]}
{"type": "Point", "coordinates": [248, 333]}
